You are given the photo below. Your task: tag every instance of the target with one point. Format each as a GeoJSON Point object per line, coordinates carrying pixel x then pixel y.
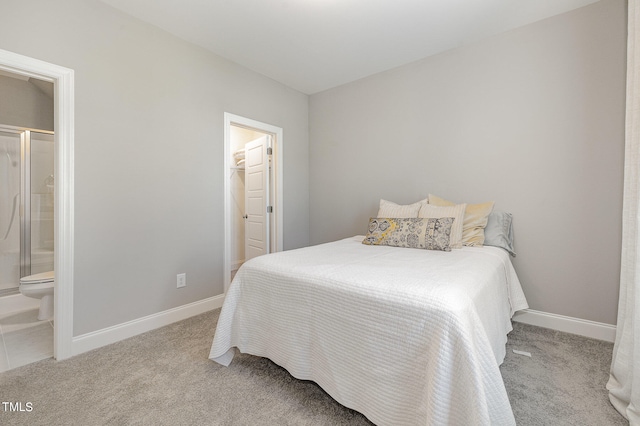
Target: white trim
{"type": "Point", "coordinates": [17, 302]}
{"type": "Point", "coordinates": [116, 333]}
{"type": "Point", "coordinates": [232, 119]}
{"type": "Point", "coordinates": [592, 329]}
{"type": "Point", "coordinates": [63, 83]}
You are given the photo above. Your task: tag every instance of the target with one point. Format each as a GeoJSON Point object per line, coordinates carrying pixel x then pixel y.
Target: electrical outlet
{"type": "Point", "coordinates": [182, 280]}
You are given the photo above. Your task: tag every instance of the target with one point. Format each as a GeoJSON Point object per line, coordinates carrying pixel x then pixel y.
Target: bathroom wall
{"type": "Point", "coordinates": [25, 104]}
{"type": "Point", "coordinates": [149, 141]}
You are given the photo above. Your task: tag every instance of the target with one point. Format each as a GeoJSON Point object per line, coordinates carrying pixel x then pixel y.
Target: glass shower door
{"type": "Point", "coordinates": [41, 202]}
{"type": "Point", "coordinates": [10, 170]}
{"type": "Point", "coordinates": [26, 205]}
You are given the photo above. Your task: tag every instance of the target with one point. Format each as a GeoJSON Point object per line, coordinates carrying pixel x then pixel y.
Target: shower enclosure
{"type": "Point", "coordinates": [26, 205]}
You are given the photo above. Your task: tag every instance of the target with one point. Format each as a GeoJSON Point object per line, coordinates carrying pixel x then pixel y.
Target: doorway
{"type": "Point", "coordinates": [63, 82]}
{"type": "Point", "coordinates": [253, 191]}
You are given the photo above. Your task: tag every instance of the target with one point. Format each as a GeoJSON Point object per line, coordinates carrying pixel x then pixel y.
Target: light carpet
{"type": "Point", "coordinates": [163, 377]}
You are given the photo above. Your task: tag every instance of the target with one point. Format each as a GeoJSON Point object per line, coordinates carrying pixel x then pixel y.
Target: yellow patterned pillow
{"type": "Point", "coordinates": [475, 219]}
{"type": "Point", "coordinates": [423, 233]}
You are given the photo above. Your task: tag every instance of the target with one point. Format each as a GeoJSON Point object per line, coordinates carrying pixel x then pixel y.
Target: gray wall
{"type": "Point", "coordinates": [23, 104]}
{"type": "Point", "coordinates": [149, 154]}
{"type": "Point", "coordinates": [532, 119]}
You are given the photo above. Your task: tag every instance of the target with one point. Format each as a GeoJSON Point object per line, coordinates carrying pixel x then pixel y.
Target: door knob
{"type": "Point", "coordinates": [246, 216]}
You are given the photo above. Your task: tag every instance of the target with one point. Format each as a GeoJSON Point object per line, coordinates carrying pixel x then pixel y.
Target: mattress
{"type": "Point", "coordinates": [404, 336]}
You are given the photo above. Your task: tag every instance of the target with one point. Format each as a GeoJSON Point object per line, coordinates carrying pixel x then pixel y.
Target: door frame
{"type": "Point", "coordinates": [63, 106]}
{"type": "Point", "coordinates": [277, 147]}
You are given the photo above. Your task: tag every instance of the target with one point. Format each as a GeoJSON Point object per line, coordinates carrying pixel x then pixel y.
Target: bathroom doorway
{"type": "Point", "coordinates": [253, 191]}
{"type": "Point", "coordinates": [62, 80]}
{"type": "Point", "coordinates": [26, 217]}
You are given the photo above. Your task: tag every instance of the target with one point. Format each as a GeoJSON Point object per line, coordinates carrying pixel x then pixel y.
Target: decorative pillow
{"type": "Point", "coordinates": [423, 233]}
{"type": "Point", "coordinates": [499, 231]}
{"type": "Point", "coordinates": [475, 219]}
{"type": "Point", "coordinates": [456, 212]}
{"type": "Point", "coordinates": [390, 209]}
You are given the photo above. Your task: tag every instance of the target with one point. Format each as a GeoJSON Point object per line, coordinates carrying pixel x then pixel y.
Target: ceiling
{"type": "Point", "coordinates": [314, 45]}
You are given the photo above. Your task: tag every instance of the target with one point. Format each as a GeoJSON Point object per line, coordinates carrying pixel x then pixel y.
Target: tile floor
{"type": "Point", "coordinates": [24, 339]}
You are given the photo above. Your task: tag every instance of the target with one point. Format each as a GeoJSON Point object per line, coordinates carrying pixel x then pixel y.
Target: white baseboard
{"type": "Point", "coordinates": [592, 329]}
{"type": "Point", "coordinates": [17, 302]}
{"type": "Point", "coordinates": [106, 336]}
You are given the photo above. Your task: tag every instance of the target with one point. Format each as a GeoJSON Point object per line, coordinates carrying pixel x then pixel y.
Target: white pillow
{"type": "Point", "coordinates": [456, 212]}
{"type": "Point", "coordinates": [389, 209]}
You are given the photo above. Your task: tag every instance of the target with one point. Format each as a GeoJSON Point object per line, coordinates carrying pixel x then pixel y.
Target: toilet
{"type": "Point", "coordinates": [40, 286]}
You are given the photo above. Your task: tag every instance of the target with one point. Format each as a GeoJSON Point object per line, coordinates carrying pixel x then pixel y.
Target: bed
{"type": "Point", "coordinates": [404, 336]}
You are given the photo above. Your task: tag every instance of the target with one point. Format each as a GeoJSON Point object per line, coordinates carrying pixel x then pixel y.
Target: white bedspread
{"type": "Point", "coordinates": [404, 336]}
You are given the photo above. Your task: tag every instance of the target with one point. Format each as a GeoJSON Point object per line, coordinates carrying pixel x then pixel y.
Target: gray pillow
{"type": "Point", "coordinates": [499, 231]}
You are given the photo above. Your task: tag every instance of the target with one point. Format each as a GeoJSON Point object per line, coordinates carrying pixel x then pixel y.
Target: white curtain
{"type": "Point", "coordinates": [624, 380]}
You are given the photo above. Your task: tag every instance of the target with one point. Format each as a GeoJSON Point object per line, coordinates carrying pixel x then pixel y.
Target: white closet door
{"type": "Point", "coordinates": [256, 198]}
